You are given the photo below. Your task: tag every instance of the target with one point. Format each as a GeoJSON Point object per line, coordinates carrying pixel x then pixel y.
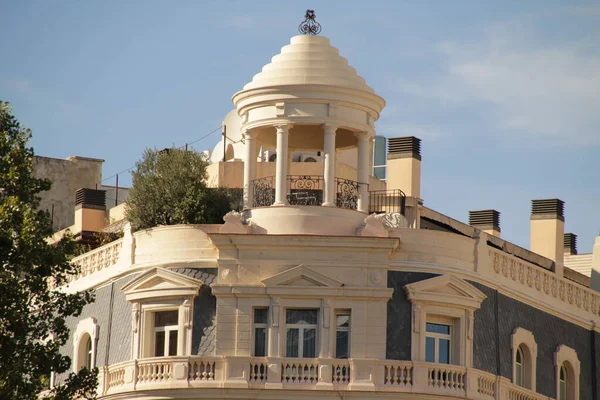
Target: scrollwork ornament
{"type": "Point", "coordinates": [310, 26]}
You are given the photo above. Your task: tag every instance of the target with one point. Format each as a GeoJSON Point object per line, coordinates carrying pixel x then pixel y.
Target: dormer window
{"type": "Point", "coordinates": [438, 342]}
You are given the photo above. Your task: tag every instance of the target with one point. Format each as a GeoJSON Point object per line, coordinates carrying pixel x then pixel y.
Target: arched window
{"type": "Point", "coordinates": [84, 345]}
{"type": "Point", "coordinates": [524, 356]}
{"type": "Point", "coordinates": [567, 373]}
{"type": "Point", "coordinates": [273, 158]}
{"type": "Point", "coordinates": [519, 367]}
{"type": "Point", "coordinates": [310, 159]}
{"type": "Point", "coordinates": [562, 383]}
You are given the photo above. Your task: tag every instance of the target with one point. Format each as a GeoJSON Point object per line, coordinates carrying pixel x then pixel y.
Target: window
{"type": "Point", "coordinates": [84, 345]}
{"type": "Point", "coordinates": [165, 333]}
{"type": "Point", "coordinates": [342, 334]}
{"type": "Point", "coordinates": [301, 333]}
{"type": "Point", "coordinates": [437, 343]}
{"type": "Point", "coordinates": [567, 373]}
{"type": "Point", "coordinates": [260, 332]}
{"type": "Point", "coordinates": [524, 356]}
{"type": "Point", "coordinates": [519, 367]}
{"type": "Point", "coordinates": [443, 316]}
{"type": "Point", "coordinates": [562, 384]}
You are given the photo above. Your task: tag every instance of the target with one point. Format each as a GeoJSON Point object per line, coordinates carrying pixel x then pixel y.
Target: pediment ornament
{"type": "Point", "coordinates": [161, 282]}
{"type": "Point", "coordinates": [445, 290]}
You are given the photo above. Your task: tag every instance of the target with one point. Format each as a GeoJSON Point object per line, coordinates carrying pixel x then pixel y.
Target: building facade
{"type": "Point", "coordinates": [332, 283]}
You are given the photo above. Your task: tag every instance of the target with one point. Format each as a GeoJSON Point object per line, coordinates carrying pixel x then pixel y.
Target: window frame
{"type": "Point", "coordinates": [301, 329]}
{"type": "Point", "coordinates": [167, 329]}
{"type": "Point", "coordinates": [566, 357]}
{"type": "Point", "coordinates": [260, 325]}
{"type": "Point", "coordinates": [441, 336]}
{"type": "Point", "coordinates": [524, 340]}
{"type": "Point", "coordinates": [348, 329]}
{"type": "Point", "coordinates": [87, 329]}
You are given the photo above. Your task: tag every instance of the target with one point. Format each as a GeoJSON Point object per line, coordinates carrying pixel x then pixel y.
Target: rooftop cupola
{"type": "Point", "coordinates": [308, 99]}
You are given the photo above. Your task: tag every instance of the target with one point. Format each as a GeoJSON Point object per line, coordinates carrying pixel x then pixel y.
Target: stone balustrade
{"type": "Point", "coordinates": [97, 259]}
{"type": "Point", "coordinates": [308, 374]}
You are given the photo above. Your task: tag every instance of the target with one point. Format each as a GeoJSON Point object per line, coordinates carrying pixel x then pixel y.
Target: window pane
{"type": "Point", "coordinates": [159, 344]}
{"type": "Point", "coordinates": [301, 317]}
{"type": "Point", "coordinates": [165, 318]}
{"type": "Point", "coordinates": [343, 320]}
{"type": "Point", "coordinates": [260, 315]}
{"type": "Point", "coordinates": [260, 342]}
{"type": "Point", "coordinates": [444, 357]}
{"type": "Point", "coordinates": [519, 375]}
{"type": "Point", "coordinates": [519, 356]}
{"type": "Point", "coordinates": [172, 343]}
{"type": "Point", "coordinates": [341, 344]}
{"type": "Point", "coordinates": [438, 328]}
{"type": "Point", "coordinates": [429, 349]}
{"type": "Point", "coordinates": [562, 391]}
{"type": "Point", "coordinates": [292, 343]}
{"type": "Point", "coordinates": [310, 343]}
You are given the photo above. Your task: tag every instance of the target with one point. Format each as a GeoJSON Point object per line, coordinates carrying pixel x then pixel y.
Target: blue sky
{"type": "Point", "coordinates": [504, 94]}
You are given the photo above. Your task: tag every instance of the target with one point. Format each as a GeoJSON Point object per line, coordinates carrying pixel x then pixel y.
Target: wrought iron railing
{"type": "Point", "coordinates": [305, 190]}
{"type": "Point", "coordinates": [347, 193]}
{"type": "Point", "coordinates": [263, 191]}
{"type": "Point", "coordinates": [387, 201]}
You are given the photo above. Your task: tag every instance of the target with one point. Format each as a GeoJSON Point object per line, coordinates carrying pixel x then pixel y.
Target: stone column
{"type": "Point", "coordinates": [249, 167]}
{"type": "Point", "coordinates": [282, 163]}
{"type": "Point", "coordinates": [329, 165]}
{"type": "Point", "coordinates": [363, 171]}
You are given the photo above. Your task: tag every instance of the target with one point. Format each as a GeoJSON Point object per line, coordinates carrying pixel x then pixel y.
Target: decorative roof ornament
{"type": "Point", "coordinates": [310, 26]}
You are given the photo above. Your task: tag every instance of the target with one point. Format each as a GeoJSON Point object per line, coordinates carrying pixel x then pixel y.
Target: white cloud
{"type": "Point", "coordinates": [537, 87]}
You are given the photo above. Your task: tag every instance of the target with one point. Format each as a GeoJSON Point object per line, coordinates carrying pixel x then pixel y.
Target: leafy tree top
{"type": "Point", "coordinates": [32, 317]}
{"type": "Point", "coordinates": [170, 187]}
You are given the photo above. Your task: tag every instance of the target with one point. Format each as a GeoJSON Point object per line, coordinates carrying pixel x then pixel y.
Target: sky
{"type": "Point", "coordinates": [504, 94]}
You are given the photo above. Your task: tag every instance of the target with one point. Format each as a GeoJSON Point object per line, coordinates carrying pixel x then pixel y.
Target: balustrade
{"type": "Point", "coordinates": [303, 374]}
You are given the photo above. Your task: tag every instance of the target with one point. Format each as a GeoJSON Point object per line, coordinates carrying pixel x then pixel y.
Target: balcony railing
{"type": "Point", "coordinates": [387, 201]}
{"type": "Point", "coordinates": [306, 374]}
{"type": "Point", "coordinates": [306, 190]}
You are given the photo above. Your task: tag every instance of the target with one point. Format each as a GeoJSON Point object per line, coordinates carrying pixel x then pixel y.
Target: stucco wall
{"type": "Point", "coordinates": [67, 176]}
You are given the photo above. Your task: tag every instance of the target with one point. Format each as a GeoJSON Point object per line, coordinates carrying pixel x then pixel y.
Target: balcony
{"type": "Point", "coordinates": [307, 190]}
{"type": "Point", "coordinates": [307, 374]}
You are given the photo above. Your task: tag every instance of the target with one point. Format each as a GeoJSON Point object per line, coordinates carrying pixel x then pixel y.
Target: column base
{"type": "Point", "coordinates": [279, 204]}
{"type": "Point", "coordinates": [328, 204]}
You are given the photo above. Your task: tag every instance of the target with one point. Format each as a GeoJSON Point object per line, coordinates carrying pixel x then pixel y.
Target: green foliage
{"type": "Point", "coordinates": [32, 317]}
{"type": "Point", "coordinates": [170, 188]}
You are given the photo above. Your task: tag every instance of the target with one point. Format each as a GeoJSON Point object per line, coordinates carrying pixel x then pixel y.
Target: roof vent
{"type": "Point", "coordinates": [548, 208]}
{"type": "Point", "coordinates": [408, 146]}
{"type": "Point", "coordinates": [486, 220]}
{"type": "Point", "coordinates": [90, 198]}
{"type": "Point", "coordinates": [570, 243]}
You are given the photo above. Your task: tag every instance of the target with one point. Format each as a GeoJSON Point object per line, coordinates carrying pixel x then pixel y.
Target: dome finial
{"type": "Point", "coordinates": [310, 26]}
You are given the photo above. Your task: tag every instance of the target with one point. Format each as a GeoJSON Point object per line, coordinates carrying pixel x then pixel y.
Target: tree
{"type": "Point", "coordinates": [32, 316]}
{"type": "Point", "coordinates": [169, 187]}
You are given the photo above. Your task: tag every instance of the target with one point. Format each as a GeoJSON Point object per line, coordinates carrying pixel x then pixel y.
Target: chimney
{"type": "Point", "coordinates": [404, 165]}
{"type": "Point", "coordinates": [570, 244]}
{"type": "Point", "coordinates": [595, 278]}
{"type": "Point", "coordinates": [486, 220]}
{"type": "Point", "coordinates": [548, 230]}
{"type": "Point", "coordinates": [90, 210]}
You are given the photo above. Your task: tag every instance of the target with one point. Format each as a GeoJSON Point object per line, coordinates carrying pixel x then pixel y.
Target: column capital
{"type": "Point", "coordinates": [330, 129]}
{"type": "Point", "coordinates": [283, 128]}
{"type": "Point", "coordinates": [249, 134]}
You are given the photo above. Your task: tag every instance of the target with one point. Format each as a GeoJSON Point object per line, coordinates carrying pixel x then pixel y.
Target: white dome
{"type": "Point", "coordinates": [309, 60]}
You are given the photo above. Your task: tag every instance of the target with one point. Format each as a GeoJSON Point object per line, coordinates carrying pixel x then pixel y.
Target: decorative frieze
{"type": "Point", "coordinates": [536, 279]}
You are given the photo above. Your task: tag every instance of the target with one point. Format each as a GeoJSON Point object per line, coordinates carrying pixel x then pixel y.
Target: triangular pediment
{"type": "Point", "coordinates": [161, 282]}
{"type": "Point", "coordinates": [302, 276]}
{"type": "Point", "coordinates": [445, 289]}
